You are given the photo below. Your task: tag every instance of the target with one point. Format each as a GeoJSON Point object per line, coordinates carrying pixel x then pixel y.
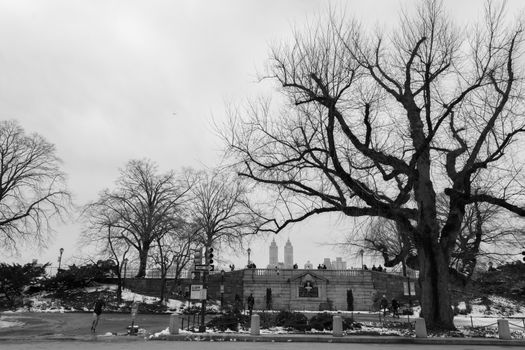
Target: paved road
{"type": "Point", "coordinates": [167, 345]}
{"type": "Point", "coordinates": [41, 324]}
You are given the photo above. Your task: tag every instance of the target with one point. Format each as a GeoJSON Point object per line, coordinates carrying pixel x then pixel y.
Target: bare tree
{"type": "Point", "coordinates": [220, 209]}
{"type": "Point", "coordinates": [32, 186]}
{"type": "Point", "coordinates": [377, 126]}
{"type": "Point", "coordinates": [144, 207]}
{"type": "Point", "coordinates": [173, 252]}
{"type": "Point", "coordinates": [102, 233]}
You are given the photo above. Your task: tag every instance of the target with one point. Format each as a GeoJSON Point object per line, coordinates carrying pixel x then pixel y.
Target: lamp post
{"type": "Point", "coordinates": [222, 290]}
{"type": "Point", "coordinates": [249, 252]}
{"type": "Point", "coordinates": [362, 252]}
{"type": "Point", "coordinates": [125, 262]}
{"type": "Point", "coordinates": [60, 259]}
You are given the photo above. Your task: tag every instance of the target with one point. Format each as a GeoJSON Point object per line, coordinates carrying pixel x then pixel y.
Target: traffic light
{"type": "Point", "coordinates": [197, 257]}
{"type": "Point", "coordinates": [523, 253]}
{"type": "Point", "coordinates": [209, 259]}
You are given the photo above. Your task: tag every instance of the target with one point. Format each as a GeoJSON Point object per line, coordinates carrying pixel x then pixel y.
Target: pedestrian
{"type": "Point", "coordinates": [380, 268]}
{"type": "Point", "coordinates": [395, 308]}
{"type": "Point", "coordinates": [97, 310]}
{"type": "Point", "coordinates": [251, 301]}
{"type": "Point", "coordinates": [383, 304]}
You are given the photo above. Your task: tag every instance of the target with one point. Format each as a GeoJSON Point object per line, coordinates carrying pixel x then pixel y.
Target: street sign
{"type": "Point", "coordinates": [198, 292]}
{"type": "Point", "coordinates": [202, 267]}
{"type": "Point", "coordinates": [195, 291]}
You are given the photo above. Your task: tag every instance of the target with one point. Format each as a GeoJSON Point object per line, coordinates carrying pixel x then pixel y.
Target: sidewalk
{"type": "Point", "coordinates": [301, 338]}
{"type": "Point", "coordinates": [298, 338]}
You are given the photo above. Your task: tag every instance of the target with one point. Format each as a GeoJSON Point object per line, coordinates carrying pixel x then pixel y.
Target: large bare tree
{"type": "Point", "coordinates": [220, 209]}
{"type": "Point", "coordinates": [32, 186]}
{"type": "Point", "coordinates": [144, 207]}
{"type": "Point", "coordinates": [376, 125]}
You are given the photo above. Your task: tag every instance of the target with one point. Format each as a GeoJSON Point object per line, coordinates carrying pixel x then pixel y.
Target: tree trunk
{"type": "Point", "coordinates": [162, 287]}
{"type": "Point", "coordinates": [143, 259]}
{"type": "Point", "coordinates": [119, 288]}
{"type": "Point", "coordinates": [434, 288]}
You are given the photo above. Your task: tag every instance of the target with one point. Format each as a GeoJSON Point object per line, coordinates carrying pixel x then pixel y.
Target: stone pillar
{"type": "Point", "coordinates": [421, 328]}
{"type": "Point", "coordinates": [503, 329]}
{"type": "Point", "coordinates": [174, 324]}
{"type": "Point", "coordinates": [337, 326]}
{"type": "Point", "coordinates": [255, 328]}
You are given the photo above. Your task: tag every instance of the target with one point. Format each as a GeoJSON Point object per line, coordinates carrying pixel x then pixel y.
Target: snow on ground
{"type": "Point", "coordinates": [5, 323]}
{"type": "Point", "coordinates": [172, 304]}
{"type": "Point", "coordinates": [498, 307]}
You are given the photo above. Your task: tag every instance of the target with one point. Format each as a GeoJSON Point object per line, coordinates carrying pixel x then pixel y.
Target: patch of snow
{"type": "Point", "coordinates": [174, 304]}
{"type": "Point", "coordinates": [128, 295]}
{"type": "Point", "coordinates": [100, 288]}
{"type": "Point", "coordinates": [4, 323]}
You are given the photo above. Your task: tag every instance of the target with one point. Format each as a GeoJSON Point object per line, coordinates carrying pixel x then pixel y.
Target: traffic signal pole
{"type": "Point", "coordinates": [209, 267]}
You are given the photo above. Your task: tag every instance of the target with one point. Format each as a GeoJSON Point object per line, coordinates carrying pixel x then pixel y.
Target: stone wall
{"type": "Point", "coordinates": [313, 290]}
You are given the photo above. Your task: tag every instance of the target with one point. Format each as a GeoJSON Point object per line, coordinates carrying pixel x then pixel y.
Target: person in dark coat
{"type": "Point", "coordinates": [97, 310]}
{"type": "Point", "coordinates": [383, 304]}
{"type": "Point", "coordinates": [251, 302]}
{"type": "Point", "coordinates": [395, 308]}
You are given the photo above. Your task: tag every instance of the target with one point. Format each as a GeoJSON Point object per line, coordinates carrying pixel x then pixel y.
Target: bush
{"type": "Point", "coordinates": [292, 320]}
{"type": "Point", "coordinates": [321, 322]}
{"type": "Point", "coordinates": [229, 321]}
{"type": "Point", "coordinates": [268, 319]}
{"type": "Point", "coordinates": [324, 321]}
{"type": "Point", "coordinates": [17, 280]}
{"type": "Point", "coordinates": [76, 277]}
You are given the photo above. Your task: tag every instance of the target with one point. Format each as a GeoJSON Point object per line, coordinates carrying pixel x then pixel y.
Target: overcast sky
{"type": "Point", "coordinates": [109, 81]}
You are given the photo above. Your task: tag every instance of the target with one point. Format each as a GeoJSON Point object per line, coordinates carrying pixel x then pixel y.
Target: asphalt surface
{"type": "Point", "coordinates": [78, 324]}
{"type": "Point", "coordinates": [136, 345]}
{"type": "Point", "coordinates": [72, 330]}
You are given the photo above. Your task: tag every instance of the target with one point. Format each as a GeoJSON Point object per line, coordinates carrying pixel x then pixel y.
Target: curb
{"type": "Point", "coordinates": [344, 339]}
{"type": "Point", "coordinates": [284, 338]}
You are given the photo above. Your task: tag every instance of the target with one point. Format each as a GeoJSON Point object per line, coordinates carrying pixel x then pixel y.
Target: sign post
{"type": "Point", "coordinates": [134, 310]}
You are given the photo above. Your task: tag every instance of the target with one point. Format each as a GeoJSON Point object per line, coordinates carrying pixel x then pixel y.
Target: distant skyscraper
{"type": "Point", "coordinates": [288, 255]}
{"type": "Point", "coordinates": [327, 263]}
{"type": "Point", "coordinates": [274, 257]}
{"type": "Point", "coordinates": [339, 264]}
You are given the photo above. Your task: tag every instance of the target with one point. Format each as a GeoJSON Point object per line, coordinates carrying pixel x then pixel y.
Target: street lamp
{"type": "Point", "coordinates": [249, 252]}
{"type": "Point", "coordinates": [362, 252]}
{"type": "Point", "coordinates": [222, 290]}
{"type": "Point", "coordinates": [60, 258]}
{"type": "Point", "coordinates": [125, 262]}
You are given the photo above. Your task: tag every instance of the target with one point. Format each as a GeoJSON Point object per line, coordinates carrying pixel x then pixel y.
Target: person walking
{"type": "Point", "coordinates": [384, 304]}
{"type": "Point", "coordinates": [97, 310]}
{"type": "Point", "coordinates": [395, 308]}
{"type": "Point", "coordinates": [251, 301]}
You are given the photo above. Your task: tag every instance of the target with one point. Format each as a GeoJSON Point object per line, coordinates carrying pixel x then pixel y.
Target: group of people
{"type": "Point", "coordinates": [374, 268]}
{"type": "Point", "coordinates": [386, 308]}
{"type": "Point", "coordinates": [251, 266]}
{"type": "Point", "coordinates": [321, 267]}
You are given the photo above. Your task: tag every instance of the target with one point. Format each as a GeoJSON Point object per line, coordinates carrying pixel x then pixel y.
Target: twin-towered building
{"type": "Point", "coordinates": [337, 264]}
{"type": "Point", "coordinates": [274, 256]}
